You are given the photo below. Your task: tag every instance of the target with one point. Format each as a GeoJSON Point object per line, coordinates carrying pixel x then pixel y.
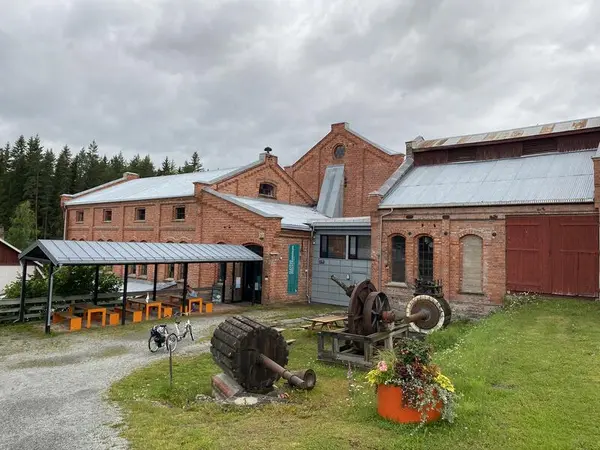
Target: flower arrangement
{"type": "Point", "coordinates": [409, 367]}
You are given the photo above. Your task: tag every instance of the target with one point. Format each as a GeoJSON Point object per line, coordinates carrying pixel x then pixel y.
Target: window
{"type": "Point", "coordinates": [131, 269]}
{"type": "Point", "coordinates": [108, 215]}
{"type": "Point", "coordinates": [144, 270]}
{"type": "Point", "coordinates": [426, 258]}
{"type": "Point", "coordinates": [333, 247]}
{"type": "Point", "coordinates": [360, 247]}
{"type": "Point", "coordinates": [179, 213]}
{"type": "Point", "coordinates": [170, 271]}
{"type": "Point", "coordinates": [140, 214]}
{"type": "Point", "coordinates": [399, 259]}
{"type": "Point", "coordinates": [267, 190]}
{"type": "Point", "coordinates": [79, 216]}
{"type": "Point", "coordinates": [339, 152]}
{"type": "Point", "coordinates": [471, 248]}
{"type": "Point", "coordinates": [180, 270]}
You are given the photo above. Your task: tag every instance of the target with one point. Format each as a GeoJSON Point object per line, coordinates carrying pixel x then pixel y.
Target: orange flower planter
{"type": "Point", "coordinates": [389, 406]}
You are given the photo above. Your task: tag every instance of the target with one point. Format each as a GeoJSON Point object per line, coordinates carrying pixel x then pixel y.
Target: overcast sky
{"type": "Point", "coordinates": [228, 78]}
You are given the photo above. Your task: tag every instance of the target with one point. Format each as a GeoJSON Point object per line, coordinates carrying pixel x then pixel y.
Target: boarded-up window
{"type": "Point", "coordinates": [472, 264]}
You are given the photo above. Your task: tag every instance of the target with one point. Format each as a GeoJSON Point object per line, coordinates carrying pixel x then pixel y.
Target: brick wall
{"type": "Point", "coordinates": [247, 183]}
{"type": "Point", "coordinates": [447, 226]}
{"type": "Point", "coordinates": [366, 168]}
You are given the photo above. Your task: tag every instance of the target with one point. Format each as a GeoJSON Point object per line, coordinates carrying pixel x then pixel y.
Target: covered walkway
{"type": "Point", "coordinates": [59, 253]}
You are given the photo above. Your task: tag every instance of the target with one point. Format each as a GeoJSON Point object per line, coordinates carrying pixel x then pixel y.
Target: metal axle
{"type": "Point", "coordinates": [284, 373]}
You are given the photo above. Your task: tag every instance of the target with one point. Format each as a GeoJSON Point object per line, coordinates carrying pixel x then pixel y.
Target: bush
{"type": "Point", "coordinates": [68, 280]}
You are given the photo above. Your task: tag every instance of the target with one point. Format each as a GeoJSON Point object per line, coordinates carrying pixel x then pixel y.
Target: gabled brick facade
{"type": "Point", "coordinates": [366, 168]}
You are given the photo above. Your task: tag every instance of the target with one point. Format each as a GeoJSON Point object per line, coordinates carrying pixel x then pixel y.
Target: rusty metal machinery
{"type": "Point", "coordinates": [370, 312]}
{"type": "Point", "coordinates": [255, 355]}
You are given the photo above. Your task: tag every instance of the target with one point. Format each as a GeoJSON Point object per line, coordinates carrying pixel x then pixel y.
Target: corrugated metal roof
{"type": "Point", "coordinates": [293, 217]}
{"type": "Point", "coordinates": [134, 285]}
{"type": "Point", "coordinates": [331, 196]}
{"type": "Point", "coordinates": [167, 186]}
{"type": "Point", "coordinates": [544, 178]}
{"type": "Point", "coordinates": [495, 136]}
{"type": "Point", "coordinates": [61, 252]}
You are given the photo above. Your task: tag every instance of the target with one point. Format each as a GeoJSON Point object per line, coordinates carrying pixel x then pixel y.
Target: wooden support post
{"type": "Point", "coordinates": [185, 282]}
{"type": "Point", "coordinates": [155, 281]}
{"type": "Point", "coordinates": [96, 282]}
{"type": "Point", "coordinates": [49, 304]}
{"type": "Point", "coordinates": [23, 291]}
{"type": "Point", "coordinates": [124, 310]}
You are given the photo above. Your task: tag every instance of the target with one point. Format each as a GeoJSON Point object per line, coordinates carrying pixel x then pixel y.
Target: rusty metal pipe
{"type": "Point", "coordinates": [284, 373]}
{"type": "Point", "coordinates": [421, 315]}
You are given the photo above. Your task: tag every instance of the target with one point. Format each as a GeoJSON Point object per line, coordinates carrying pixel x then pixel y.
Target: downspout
{"type": "Point", "coordinates": [310, 244]}
{"type": "Point", "coordinates": [65, 222]}
{"type": "Point", "coordinates": [381, 246]}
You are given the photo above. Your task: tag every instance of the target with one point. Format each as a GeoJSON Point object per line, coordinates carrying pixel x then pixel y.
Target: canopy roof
{"type": "Point", "coordinates": [89, 253]}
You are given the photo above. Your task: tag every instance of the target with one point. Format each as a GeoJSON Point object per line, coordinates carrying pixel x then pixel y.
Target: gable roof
{"type": "Point", "coordinates": [566, 177]}
{"type": "Point", "coordinates": [150, 188]}
{"type": "Point", "coordinates": [16, 250]}
{"type": "Point", "coordinates": [542, 130]}
{"type": "Point", "coordinates": [293, 217]}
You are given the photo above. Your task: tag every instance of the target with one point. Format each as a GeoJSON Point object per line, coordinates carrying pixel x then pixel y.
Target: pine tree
{"type": "Point", "coordinates": [168, 167]}
{"type": "Point", "coordinates": [78, 167]}
{"type": "Point", "coordinates": [194, 166]}
{"type": "Point", "coordinates": [33, 164]}
{"type": "Point", "coordinates": [46, 204]}
{"type": "Point", "coordinates": [4, 175]}
{"type": "Point", "coordinates": [92, 170]}
{"type": "Point", "coordinates": [61, 185]}
{"type": "Point", "coordinates": [146, 168]}
{"type": "Point", "coordinates": [15, 178]}
{"type": "Point", "coordinates": [117, 166]}
{"type": "Point", "coordinates": [22, 226]}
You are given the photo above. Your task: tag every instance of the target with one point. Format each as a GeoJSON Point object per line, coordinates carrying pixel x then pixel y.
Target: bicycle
{"type": "Point", "coordinates": [159, 335]}
{"type": "Point", "coordinates": [178, 336]}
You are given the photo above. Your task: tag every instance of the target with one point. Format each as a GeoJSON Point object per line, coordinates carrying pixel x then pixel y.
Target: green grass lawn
{"type": "Point", "coordinates": [529, 378]}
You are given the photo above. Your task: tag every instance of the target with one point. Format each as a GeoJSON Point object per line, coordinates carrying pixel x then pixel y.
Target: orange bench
{"type": "Point", "coordinates": [113, 317]}
{"type": "Point", "coordinates": [74, 321]}
{"type": "Point", "coordinates": [136, 315]}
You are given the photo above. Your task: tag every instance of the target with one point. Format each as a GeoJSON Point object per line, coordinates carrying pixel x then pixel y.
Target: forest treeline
{"type": "Point", "coordinates": [32, 178]}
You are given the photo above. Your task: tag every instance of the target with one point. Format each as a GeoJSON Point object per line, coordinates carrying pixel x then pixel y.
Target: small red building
{"type": "Point", "coordinates": [10, 267]}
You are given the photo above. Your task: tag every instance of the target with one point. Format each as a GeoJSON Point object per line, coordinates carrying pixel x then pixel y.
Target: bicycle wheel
{"type": "Point", "coordinates": [172, 342]}
{"type": "Point", "coordinates": [152, 344]}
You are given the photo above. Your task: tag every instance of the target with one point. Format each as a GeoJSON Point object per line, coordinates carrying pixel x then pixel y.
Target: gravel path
{"type": "Point", "coordinates": [51, 390]}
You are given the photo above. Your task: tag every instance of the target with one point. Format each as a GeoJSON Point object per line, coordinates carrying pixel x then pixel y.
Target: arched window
{"type": "Point", "coordinates": [426, 258]}
{"type": "Point", "coordinates": [399, 259]}
{"type": "Point", "coordinates": [266, 190]}
{"type": "Point", "coordinates": [471, 252]}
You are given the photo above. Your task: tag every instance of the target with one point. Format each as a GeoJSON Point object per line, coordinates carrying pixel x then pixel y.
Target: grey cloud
{"type": "Point", "coordinates": [228, 78]}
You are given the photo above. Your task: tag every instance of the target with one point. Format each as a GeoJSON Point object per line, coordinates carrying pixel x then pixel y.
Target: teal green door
{"type": "Point", "coordinates": [293, 268]}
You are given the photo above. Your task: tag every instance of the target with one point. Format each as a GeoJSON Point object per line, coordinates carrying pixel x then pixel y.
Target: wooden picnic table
{"type": "Point", "coordinates": [190, 301]}
{"type": "Point", "coordinates": [149, 305]}
{"type": "Point", "coordinates": [89, 309]}
{"type": "Point", "coordinates": [327, 321]}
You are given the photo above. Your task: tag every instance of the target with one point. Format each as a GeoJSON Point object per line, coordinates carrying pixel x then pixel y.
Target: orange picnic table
{"type": "Point", "coordinates": [89, 309]}
{"type": "Point", "coordinates": [149, 305]}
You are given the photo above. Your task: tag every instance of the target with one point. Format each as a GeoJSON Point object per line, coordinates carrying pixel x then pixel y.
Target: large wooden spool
{"type": "Point", "coordinates": [237, 345]}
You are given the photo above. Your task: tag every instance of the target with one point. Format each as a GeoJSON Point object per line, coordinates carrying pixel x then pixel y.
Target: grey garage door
{"type": "Point", "coordinates": [349, 271]}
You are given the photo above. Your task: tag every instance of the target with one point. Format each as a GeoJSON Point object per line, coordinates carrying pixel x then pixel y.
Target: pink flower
{"type": "Point", "coordinates": [382, 366]}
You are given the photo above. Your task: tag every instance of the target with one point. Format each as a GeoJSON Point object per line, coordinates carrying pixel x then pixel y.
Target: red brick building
{"type": "Point", "coordinates": [261, 205]}
{"type": "Point", "coordinates": [494, 212]}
